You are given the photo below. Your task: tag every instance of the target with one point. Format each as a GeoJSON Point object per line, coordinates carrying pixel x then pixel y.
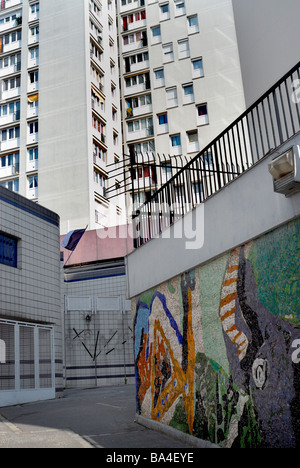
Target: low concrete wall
{"type": "Point", "coordinates": [242, 211]}
{"type": "Point", "coordinates": [217, 349]}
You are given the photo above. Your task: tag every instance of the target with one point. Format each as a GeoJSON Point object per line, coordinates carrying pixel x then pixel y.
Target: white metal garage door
{"type": "Point", "coordinates": [26, 363]}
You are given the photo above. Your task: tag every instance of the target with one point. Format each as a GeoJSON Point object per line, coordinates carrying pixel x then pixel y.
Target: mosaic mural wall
{"type": "Point", "coordinates": [217, 350]}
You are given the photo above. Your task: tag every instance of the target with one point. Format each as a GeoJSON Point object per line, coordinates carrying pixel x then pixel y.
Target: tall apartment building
{"type": "Point", "coordinates": [77, 93]}
{"type": "Point", "coordinates": [60, 107]}
{"type": "Point", "coordinates": [181, 80]}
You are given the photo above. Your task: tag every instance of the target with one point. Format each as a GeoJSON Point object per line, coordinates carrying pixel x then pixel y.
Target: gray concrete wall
{"type": "Point", "coordinates": [63, 138]}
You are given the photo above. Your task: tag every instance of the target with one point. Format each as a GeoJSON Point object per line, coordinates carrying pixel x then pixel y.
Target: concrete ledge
{"type": "Point", "coordinates": [174, 433]}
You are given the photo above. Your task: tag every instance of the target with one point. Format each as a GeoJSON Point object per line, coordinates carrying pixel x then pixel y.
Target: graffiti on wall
{"type": "Point", "coordinates": [217, 350]}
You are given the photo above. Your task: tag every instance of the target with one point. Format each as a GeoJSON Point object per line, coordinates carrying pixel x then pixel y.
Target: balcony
{"type": "Point", "coordinates": [32, 193]}
{"type": "Point", "coordinates": [11, 46]}
{"type": "Point", "coordinates": [137, 84]}
{"type": "Point", "coordinates": [9, 3]}
{"type": "Point", "coordinates": [9, 70]}
{"type": "Point", "coordinates": [32, 165]}
{"type": "Point", "coordinates": [33, 39]}
{"type": "Point", "coordinates": [33, 62]}
{"type": "Point", "coordinates": [9, 171]}
{"type": "Point", "coordinates": [140, 134]}
{"type": "Point", "coordinates": [32, 112]}
{"type": "Point", "coordinates": [33, 87]}
{"type": "Point", "coordinates": [32, 138]}
{"type": "Point", "coordinates": [136, 43]}
{"type": "Point", "coordinates": [96, 106]}
{"type": "Point", "coordinates": [9, 118]}
{"type": "Point", "coordinates": [10, 93]}
{"type": "Point", "coordinates": [99, 190]}
{"type": "Point", "coordinates": [138, 111]}
{"type": "Point", "coordinates": [10, 144]}
{"type": "Point", "coordinates": [34, 14]}
{"type": "Point", "coordinates": [132, 5]}
{"type": "Point", "coordinates": [12, 23]}
{"type": "Point", "coordinates": [136, 24]}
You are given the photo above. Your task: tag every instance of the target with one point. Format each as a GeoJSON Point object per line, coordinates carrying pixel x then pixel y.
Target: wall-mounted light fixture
{"type": "Point", "coordinates": [285, 170]}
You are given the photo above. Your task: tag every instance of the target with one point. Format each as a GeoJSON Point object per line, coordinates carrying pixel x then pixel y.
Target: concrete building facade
{"type": "Point", "coordinates": [60, 125]}
{"type": "Point", "coordinates": [181, 80]}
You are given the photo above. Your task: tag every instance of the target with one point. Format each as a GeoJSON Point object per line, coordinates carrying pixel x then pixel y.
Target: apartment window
{"type": "Point", "coordinates": [156, 35]}
{"type": "Point", "coordinates": [33, 182]}
{"type": "Point", "coordinates": [142, 124]}
{"type": "Point", "coordinates": [141, 79]}
{"type": "Point", "coordinates": [188, 93]}
{"type": "Point", "coordinates": [162, 123]}
{"type": "Point", "coordinates": [33, 103]}
{"type": "Point", "coordinates": [163, 119]}
{"type": "Point", "coordinates": [192, 141]}
{"type": "Point", "coordinates": [168, 55]}
{"type": "Point", "coordinates": [183, 49]}
{"type": "Point", "coordinates": [10, 134]}
{"type": "Point", "coordinates": [133, 18]}
{"type": "Point", "coordinates": [34, 53]}
{"type": "Point", "coordinates": [10, 160]}
{"type": "Point", "coordinates": [172, 100]}
{"type": "Point", "coordinates": [33, 154]}
{"type": "Point", "coordinates": [138, 37]}
{"type": "Point", "coordinates": [34, 31]}
{"type": "Point", "coordinates": [193, 26]}
{"type": "Point", "coordinates": [113, 90]}
{"type": "Point", "coordinates": [176, 141]}
{"type": "Point", "coordinates": [202, 114]}
{"type": "Point", "coordinates": [12, 108]}
{"type": "Point", "coordinates": [11, 61]}
{"type": "Point", "coordinates": [197, 65]}
{"type": "Point", "coordinates": [99, 152]}
{"type": "Point", "coordinates": [33, 127]}
{"type": "Point", "coordinates": [179, 7]}
{"type": "Point", "coordinates": [12, 37]}
{"type": "Point", "coordinates": [98, 125]}
{"type": "Point", "coordinates": [35, 8]}
{"type": "Point", "coordinates": [164, 11]}
{"type": "Point", "coordinates": [145, 147]}
{"type": "Point", "coordinates": [12, 185]}
{"type": "Point", "coordinates": [136, 102]}
{"type": "Point", "coordinates": [12, 83]}
{"type": "Point", "coordinates": [33, 77]}
{"type": "Point", "coordinates": [8, 251]}
{"type": "Point", "coordinates": [100, 180]}
{"type": "Point", "coordinates": [167, 169]}
{"type": "Point", "coordinates": [131, 61]}
{"type": "Point", "coordinates": [159, 77]}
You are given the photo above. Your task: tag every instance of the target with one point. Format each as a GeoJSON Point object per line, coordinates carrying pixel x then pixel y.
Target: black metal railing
{"type": "Point", "coordinates": [268, 123]}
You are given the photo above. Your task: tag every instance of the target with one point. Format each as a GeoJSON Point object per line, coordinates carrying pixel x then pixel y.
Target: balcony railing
{"type": "Point", "coordinates": [267, 124]}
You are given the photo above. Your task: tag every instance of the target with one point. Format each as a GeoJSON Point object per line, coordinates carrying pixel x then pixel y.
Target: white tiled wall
{"type": "Point", "coordinates": [31, 292]}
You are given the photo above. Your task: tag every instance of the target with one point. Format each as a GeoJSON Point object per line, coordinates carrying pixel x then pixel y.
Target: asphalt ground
{"type": "Point", "coordinates": [103, 417]}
